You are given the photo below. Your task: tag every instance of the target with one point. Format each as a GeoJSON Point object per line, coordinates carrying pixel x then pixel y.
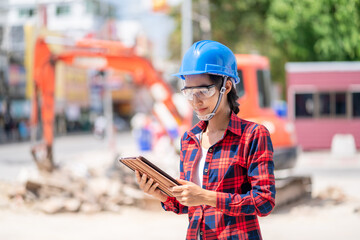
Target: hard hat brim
{"type": "Point", "coordinates": [183, 74]}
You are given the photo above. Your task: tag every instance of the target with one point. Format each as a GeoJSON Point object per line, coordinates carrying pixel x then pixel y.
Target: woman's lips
{"type": "Point", "coordinates": [201, 110]}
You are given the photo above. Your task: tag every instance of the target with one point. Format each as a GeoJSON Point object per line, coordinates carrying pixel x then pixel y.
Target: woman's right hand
{"type": "Point", "coordinates": [149, 187]}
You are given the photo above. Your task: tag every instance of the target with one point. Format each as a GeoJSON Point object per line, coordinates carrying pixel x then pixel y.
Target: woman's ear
{"type": "Point", "coordinates": [228, 86]}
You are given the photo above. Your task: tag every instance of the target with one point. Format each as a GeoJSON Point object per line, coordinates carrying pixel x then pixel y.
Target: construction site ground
{"type": "Point", "coordinates": [332, 212]}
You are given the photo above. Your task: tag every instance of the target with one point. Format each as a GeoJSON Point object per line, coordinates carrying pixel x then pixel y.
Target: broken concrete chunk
{"type": "Point", "coordinates": [90, 208]}
{"type": "Point", "coordinates": [72, 205]}
{"type": "Point", "coordinates": [53, 205]}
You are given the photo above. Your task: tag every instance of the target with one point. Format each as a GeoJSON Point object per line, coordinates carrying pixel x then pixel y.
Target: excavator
{"type": "Point", "coordinates": [254, 93]}
{"type": "Point", "coordinates": [255, 99]}
{"type": "Point", "coordinates": [102, 55]}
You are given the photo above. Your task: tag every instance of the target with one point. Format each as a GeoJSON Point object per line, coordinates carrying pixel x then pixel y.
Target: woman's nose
{"type": "Point", "coordinates": [196, 102]}
{"type": "Point", "coordinates": [195, 99]}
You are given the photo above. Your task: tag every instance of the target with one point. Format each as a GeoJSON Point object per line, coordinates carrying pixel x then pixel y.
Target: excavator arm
{"type": "Point", "coordinates": [44, 88]}
{"type": "Point", "coordinates": [113, 55]}
{"type": "Point", "coordinates": [141, 69]}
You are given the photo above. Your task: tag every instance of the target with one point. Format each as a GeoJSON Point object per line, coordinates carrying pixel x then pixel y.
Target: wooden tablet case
{"type": "Point", "coordinates": [165, 181]}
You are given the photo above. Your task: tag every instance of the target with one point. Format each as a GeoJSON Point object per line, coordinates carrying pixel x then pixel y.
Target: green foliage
{"type": "Point", "coordinates": [321, 30]}
{"type": "Point", "coordinates": [240, 24]}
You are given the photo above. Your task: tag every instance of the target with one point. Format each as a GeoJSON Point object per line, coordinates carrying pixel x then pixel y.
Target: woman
{"type": "Point", "coordinates": [226, 165]}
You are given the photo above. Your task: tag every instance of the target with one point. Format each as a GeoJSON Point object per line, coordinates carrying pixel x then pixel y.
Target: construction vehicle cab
{"type": "Point", "coordinates": [255, 90]}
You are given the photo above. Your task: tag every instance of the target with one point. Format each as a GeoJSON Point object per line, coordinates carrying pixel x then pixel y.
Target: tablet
{"type": "Point", "coordinates": [140, 163]}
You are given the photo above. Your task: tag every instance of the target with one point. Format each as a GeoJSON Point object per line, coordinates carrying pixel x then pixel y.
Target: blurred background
{"type": "Point", "coordinates": [84, 82]}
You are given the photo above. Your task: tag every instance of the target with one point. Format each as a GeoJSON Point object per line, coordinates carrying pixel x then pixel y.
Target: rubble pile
{"type": "Point", "coordinates": [334, 194]}
{"type": "Point", "coordinates": [79, 189]}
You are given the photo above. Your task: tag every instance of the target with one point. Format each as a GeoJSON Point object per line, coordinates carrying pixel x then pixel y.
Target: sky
{"type": "Point", "coordinates": [136, 16]}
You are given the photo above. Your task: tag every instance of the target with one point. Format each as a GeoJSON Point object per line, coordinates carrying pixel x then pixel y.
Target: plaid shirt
{"type": "Point", "coordinates": [240, 169]}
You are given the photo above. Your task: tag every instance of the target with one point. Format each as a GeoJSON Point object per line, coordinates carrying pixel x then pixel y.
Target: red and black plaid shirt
{"type": "Point", "coordinates": [240, 169]}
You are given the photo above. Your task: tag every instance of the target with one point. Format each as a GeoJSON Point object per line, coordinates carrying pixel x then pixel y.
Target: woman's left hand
{"type": "Point", "coordinates": [189, 194]}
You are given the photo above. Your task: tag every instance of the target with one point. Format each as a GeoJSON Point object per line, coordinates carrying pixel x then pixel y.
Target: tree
{"type": "Point", "coordinates": [241, 24]}
{"type": "Point", "coordinates": [322, 30]}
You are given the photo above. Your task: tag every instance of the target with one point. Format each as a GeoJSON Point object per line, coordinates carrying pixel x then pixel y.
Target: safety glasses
{"type": "Point", "coordinates": [201, 92]}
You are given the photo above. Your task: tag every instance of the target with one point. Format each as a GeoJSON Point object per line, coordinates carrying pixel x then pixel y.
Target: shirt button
{"type": "Point", "coordinates": [210, 150]}
{"type": "Point", "coordinates": [201, 233]}
{"type": "Point", "coordinates": [206, 170]}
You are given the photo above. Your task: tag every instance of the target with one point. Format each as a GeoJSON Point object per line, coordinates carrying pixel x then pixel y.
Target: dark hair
{"type": "Point", "coordinates": [232, 96]}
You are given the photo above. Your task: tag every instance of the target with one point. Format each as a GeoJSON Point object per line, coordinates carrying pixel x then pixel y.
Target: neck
{"type": "Point", "coordinates": [220, 121]}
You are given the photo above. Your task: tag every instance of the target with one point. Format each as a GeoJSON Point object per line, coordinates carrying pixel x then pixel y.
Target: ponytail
{"type": "Point", "coordinates": [232, 98]}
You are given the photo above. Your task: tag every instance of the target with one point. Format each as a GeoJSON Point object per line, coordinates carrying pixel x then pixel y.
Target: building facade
{"type": "Point", "coordinates": [74, 18]}
{"type": "Point", "coordinates": [324, 101]}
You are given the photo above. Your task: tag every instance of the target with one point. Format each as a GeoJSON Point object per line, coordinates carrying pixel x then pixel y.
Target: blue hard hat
{"type": "Point", "coordinates": [209, 57]}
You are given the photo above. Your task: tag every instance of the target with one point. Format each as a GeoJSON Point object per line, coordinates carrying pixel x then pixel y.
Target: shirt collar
{"type": "Point", "coordinates": [234, 126]}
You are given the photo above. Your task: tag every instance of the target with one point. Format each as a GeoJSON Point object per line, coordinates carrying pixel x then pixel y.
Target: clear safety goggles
{"type": "Point", "coordinates": [201, 92]}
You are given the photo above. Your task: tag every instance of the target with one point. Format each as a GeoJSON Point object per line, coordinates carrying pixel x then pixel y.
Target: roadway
{"type": "Point", "coordinates": [325, 216]}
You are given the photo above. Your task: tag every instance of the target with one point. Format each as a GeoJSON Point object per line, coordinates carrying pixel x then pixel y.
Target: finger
{"type": "Point", "coordinates": [148, 184]}
{"type": "Point", "coordinates": [181, 181]}
{"type": "Point", "coordinates": [143, 181]}
{"type": "Point", "coordinates": [177, 195]}
{"type": "Point", "coordinates": [183, 201]}
{"type": "Point", "coordinates": [185, 193]}
{"type": "Point", "coordinates": [185, 183]}
{"type": "Point", "coordinates": [177, 189]}
{"type": "Point", "coordinates": [143, 178]}
{"type": "Point", "coordinates": [137, 174]}
{"type": "Point", "coordinates": [153, 188]}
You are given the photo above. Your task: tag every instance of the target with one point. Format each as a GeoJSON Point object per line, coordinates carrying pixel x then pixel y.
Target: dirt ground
{"type": "Point", "coordinates": [311, 220]}
{"type": "Point", "coordinates": [332, 213]}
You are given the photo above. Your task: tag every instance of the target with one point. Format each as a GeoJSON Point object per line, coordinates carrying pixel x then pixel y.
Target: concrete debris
{"type": "Point", "coordinates": [72, 205]}
{"type": "Point", "coordinates": [133, 193]}
{"type": "Point", "coordinates": [98, 187]}
{"type": "Point", "coordinates": [292, 189]}
{"type": "Point", "coordinates": [74, 190]}
{"type": "Point", "coordinates": [52, 205]}
{"type": "Point", "coordinates": [17, 191]}
{"type": "Point", "coordinates": [32, 186]}
{"type": "Point", "coordinates": [335, 194]}
{"type": "Point", "coordinates": [90, 208]}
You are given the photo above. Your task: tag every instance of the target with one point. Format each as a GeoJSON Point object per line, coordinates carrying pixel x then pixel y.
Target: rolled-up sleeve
{"type": "Point", "coordinates": [171, 204]}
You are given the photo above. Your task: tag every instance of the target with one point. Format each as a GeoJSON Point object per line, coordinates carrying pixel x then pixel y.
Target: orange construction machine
{"type": "Point", "coordinates": [102, 55]}
{"type": "Point", "coordinates": [255, 90]}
